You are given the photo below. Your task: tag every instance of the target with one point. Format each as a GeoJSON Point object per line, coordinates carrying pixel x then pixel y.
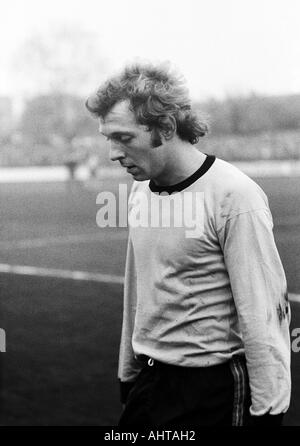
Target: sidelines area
{"type": "Point", "coordinates": [78, 275]}
{"type": "Point", "coordinates": [261, 168]}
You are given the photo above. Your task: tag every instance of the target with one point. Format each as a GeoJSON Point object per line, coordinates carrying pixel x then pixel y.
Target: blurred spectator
{"type": "Point", "coordinates": [93, 165]}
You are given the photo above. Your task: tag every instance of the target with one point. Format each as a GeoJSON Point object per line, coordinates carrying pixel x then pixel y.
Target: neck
{"type": "Point", "coordinates": [181, 161]}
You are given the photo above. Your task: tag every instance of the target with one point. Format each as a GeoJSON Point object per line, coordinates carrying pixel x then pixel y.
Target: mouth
{"type": "Point", "coordinates": [130, 168]}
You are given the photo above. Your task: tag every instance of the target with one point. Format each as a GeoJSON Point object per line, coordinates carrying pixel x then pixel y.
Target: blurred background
{"type": "Point", "coordinates": [60, 275]}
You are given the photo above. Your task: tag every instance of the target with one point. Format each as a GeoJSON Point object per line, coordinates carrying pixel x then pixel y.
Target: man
{"type": "Point", "coordinates": [205, 337]}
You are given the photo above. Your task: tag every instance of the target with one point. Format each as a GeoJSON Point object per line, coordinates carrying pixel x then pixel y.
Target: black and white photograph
{"type": "Point", "coordinates": [150, 215]}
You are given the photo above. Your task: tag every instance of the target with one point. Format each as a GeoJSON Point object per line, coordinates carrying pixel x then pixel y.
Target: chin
{"type": "Point", "coordinates": [140, 177]}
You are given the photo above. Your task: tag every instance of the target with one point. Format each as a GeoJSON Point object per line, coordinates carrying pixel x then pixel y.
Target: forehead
{"type": "Point", "coordinates": [119, 119]}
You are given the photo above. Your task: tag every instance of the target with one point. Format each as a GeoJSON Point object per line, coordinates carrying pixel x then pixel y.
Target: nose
{"type": "Point", "coordinates": [116, 153]}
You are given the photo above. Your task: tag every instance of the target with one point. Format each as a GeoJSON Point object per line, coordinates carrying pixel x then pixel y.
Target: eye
{"type": "Point", "coordinates": [125, 138]}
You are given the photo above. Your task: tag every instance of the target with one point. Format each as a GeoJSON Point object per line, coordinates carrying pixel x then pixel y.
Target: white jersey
{"type": "Point", "coordinates": [204, 281]}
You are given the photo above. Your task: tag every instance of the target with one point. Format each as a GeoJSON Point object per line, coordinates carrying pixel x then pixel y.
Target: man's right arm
{"type": "Point", "coordinates": [128, 366]}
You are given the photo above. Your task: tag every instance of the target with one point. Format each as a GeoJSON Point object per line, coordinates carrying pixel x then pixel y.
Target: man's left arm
{"type": "Point", "coordinates": [259, 290]}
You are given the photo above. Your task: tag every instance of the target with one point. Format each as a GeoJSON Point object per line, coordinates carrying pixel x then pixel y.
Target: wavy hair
{"type": "Point", "coordinates": [154, 94]}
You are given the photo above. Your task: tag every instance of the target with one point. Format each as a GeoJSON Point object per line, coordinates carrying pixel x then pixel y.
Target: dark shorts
{"type": "Point", "coordinates": [173, 396]}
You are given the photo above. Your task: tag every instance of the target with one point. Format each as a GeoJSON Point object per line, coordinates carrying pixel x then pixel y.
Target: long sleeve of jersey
{"type": "Point", "coordinates": [259, 290]}
{"type": "Point", "coordinates": [128, 367]}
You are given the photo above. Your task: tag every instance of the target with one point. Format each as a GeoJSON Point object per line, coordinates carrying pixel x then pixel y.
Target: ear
{"type": "Point", "coordinates": [167, 126]}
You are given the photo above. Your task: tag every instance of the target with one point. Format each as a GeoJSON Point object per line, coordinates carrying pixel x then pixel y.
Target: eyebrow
{"type": "Point", "coordinates": [119, 133]}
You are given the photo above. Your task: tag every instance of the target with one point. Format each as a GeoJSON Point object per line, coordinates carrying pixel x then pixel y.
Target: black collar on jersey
{"type": "Point", "coordinates": [209, 160]}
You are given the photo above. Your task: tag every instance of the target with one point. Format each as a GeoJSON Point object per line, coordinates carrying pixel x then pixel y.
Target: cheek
{"type": "Point", "coordinates": [141, 153]}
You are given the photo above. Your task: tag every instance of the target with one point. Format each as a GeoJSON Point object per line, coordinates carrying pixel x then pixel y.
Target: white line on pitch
{"type": "Point", "coordinates": [24, 270]}
{"type": "Point", "coordinates": [62, 240]}
{"type": "Point", "coordinates": [294, 297]}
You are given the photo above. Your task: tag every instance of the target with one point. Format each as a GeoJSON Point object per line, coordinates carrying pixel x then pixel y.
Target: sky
{"type": "Point", "coordinates": [222, 47]}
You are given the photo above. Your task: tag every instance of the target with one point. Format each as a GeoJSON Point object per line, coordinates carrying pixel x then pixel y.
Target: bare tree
{"type": "Point", "coordinates": [66, 60]}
